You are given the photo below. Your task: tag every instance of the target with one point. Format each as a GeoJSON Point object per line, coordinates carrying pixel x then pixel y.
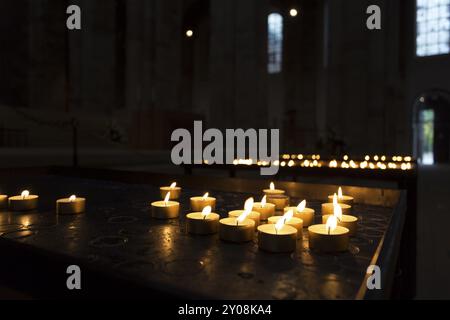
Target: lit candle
{"type": "Point", "coordinates": [3, 201]}
{"type": "Point", "coordinates": [24, 202]}
{"type": "Point", "coordinates": [289, 220]}
{"type": "Point", "coordinates": [328, 208]}
{"type": "Point", "coordinates": [343, 220]}
{"type": "Point", "coordinates": [71, 205]}
{"type": "Point", "coordinates": [272, 191]}
{"type": "Point", "coordinates": [165, 209]}
{"type": "Point", "coordinates": [173, 189]}
{"type": "Point", "coordinates": [205, 222]}
{"type": "Point", "coordinates": [198, 203]}
{"type": "Point", "coordinates": [238, 229]}
{"type": "Point", "coordinates": [250, 214]}
{"type": "Point", "coordinates": [328, 237]}
{"type": "Point", "coordinates": [343, 199]}
{"type": "Point", "coordinates": [277, 237]}
{"type": "Point", "coordinates": [265, 209]}
{"type": "Point", "coordinates": [302, 212]}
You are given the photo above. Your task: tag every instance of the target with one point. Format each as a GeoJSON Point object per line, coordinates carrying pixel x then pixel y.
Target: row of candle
{"type": "Point", "coordinates": [27, 202]}
{"type": "Point", "coordinates": [280, 233]}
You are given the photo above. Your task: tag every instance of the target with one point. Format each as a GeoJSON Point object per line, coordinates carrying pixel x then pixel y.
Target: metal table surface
{"type": "Point", "coordinates": [117, 234]}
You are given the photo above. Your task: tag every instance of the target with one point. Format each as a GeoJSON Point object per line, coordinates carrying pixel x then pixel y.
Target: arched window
{"type": "Point", "coordinates": [274, 42]}
{"type": "Point", "coordinates": [432, 27]}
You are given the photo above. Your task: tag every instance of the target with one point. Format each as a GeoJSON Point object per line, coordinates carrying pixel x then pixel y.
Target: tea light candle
{"type": "Point", "coordinates": [328, 208]}
{"type": "Point", "coordinates": [199, 203]}
{"type": "Point", "coordinates": [3, 201]}
{"type": "Point", "coordinates": [205, 222]}
{"type": "Point", "coordinates": [272, 191]}
{"type": "Point", "coordinates": [343, 220]}
{"type": "Point", "coordinates": [289, 220]}
{"type": "Point", "coordinates": [343, 199]}
{"type": "Point", "coordinates": [71, 205]}
{"type": "Point", "coordinates": [280, 201]}
{"type": "Point", "coordinates": [265, 209]}
{"type": "Point", "coordinates": [328, 237]}
{"type": "Point", "coordinates": [172, 189]}
{"type": "Point", "coordinates": [234, 230]}
{"type": "Point", "coordinates": [278, 237]}
{"type": "Point", "coordinates": [238, 229]}
{"type": "Point", "coordinates": [24, 202]}
{"type": "Point", "coordinates": [249, 214]}
{"type": "Point", "coordinates": [165, 209]}
{"type": "Point", "coordinates": [306, 214]}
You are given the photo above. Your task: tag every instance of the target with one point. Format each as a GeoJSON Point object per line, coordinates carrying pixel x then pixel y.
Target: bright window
{"type": "Point", "coordinates": [274, 42]}
{"type": "Point", "coordinates": [433, 27]}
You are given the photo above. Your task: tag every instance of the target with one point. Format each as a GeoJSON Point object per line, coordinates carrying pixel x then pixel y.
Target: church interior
{"type": "Point", "coordinates": [91, 92]}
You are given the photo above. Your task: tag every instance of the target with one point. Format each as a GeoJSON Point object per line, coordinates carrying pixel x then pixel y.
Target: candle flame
{"type": "Point", "coordinates": [331, 224]}
{"type": "Point", "coordinates": [72, 198]}
{"type": "Point", "coordinates": [206, 211]}
{"type": "Point", "coordinates": [272, 186]}
{"type": "Point", "coordinates": [335, 202]}
{"type": "Point", "coordinates": [248, 206]}
{"type": "Point", "coordinates": [340, 193]}
{"type": "Point", "coordinates": [284, 219]}
{"type": "Point", "coordinates": [173, 185]}
{"type": "Point", "coordinates": [301, 206]}
{"type": "Point", "coordinates": [205, 196]}
{"type": "Point", "coordinates": [25, 193]}
{"type": "Point", "coordinates": [337, 212]}
{"type": "Point", "coordinates": [166, 198]}
{"type": "Point", "coordinates": [263, 201]}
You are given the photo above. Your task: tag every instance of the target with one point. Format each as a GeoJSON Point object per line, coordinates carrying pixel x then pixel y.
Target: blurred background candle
{"type": "Point", "coordinates": [272, 191]}
{"type": "Point", "coordinates": [302, 212]}
{"type": "Point", "coordinates": [3, 201]}
{"type": "Point", "coordinates": [343, 220]}
{"type": "Point", "coordinates": [165, 209]}
{"type": "Point", "coordinates": [205, 222]}
{"type": "Point", "coordinates": [249, 213]}
{"type": "Point", "coordinates": [24, 202]}
{"type": "Point", "coordinates": [342, 198]}
{"type": "Point", "coordinates": [328, 237]}
{"type": "Point", "coordinates": [238, 229]}
{"type": "Point", "coordinates": [278, 237]}
{"type": "Point", "coordinates": [265, 209]}
{"type": "Point", "coordinates": [328, 208]}
{"type": "Point", "coordinates": [71, 205]}
{"type": "Point", "coordinates": [289, 220]}
{"type": "Point", "coordinates": [198, 203]}
{"type": "Point", "coordinates": [173, 189]}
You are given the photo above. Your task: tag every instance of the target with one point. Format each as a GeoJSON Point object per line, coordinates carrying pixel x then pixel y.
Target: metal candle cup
{"type": "Point", "coordinates": [349, 222]}
{"type": "Point", "coordinates": [253, 215]}
{"type": "Point", "coordinates": [277, 241]}
{"type": "Point", "coordinates": [70, 205]}
{"type": "Point", "coordinates": [232, 231]}
{"type": "Point", "coordinates": [265, 211]}
{"type": "Point", "coordinates": [3, 201]}
{"type": "Point", "coordinates": [323, 241]}
{"type": "Point", "coordinates": [307, 215]}
{"type": "Point", "coordinates": [174, 192]}
{"type": "Point", "coordinates": [297, 223]}
{"type": "Point", "coordinates": [342, 200]}
{"type": "Point", "coordinates": [197, 223]}
{"type": "Point", "coordinates": [199, 203]}
{"type": "Point", "coordinates": [165, 210]}
{"type": "Point", "coordinates": [328, 208]}
{"type": "Point", "coordinates": [280, 201]}
{"type": "Point", "coordinates": [23, 203]}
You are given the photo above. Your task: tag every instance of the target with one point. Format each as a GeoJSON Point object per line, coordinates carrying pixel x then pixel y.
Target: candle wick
{"type": "Point", "coordinates": [329, 229]}
{"type": "Point", "coordinates": [204, 217]}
